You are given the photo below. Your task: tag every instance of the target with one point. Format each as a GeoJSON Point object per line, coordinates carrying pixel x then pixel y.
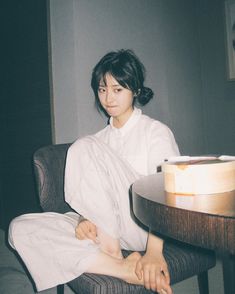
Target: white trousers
{"type": "Point", "coordinates": [97, 186]}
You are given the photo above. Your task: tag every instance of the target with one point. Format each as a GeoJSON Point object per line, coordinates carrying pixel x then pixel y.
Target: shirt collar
{"type": "Point", "coordinates": [129, 124]}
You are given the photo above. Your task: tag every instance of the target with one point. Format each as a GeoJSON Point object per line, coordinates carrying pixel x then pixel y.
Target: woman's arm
{"type": "Point", "coordinates": [152, 267]}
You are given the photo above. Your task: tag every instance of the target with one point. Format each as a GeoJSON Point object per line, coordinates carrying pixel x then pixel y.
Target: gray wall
{"type": "Point", "coordinates": [182, 46]}
{"type": "Point", "coordinates": [218, 91]}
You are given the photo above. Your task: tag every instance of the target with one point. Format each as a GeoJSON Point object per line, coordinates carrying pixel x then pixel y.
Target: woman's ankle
{"type": "Point", "coordinates": [111, 251]}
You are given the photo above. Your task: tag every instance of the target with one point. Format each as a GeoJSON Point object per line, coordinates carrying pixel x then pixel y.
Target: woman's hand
{"type": "Point", "coordinates": [86, 230]}
{"type": "Point", "coordinates": [152, 267]}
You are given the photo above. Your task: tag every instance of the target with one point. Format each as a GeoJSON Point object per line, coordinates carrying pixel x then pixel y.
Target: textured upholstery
{"type": "Point", "coordinates": [49, 165]}
{"type": "Point", "coordinates": [183, 261]}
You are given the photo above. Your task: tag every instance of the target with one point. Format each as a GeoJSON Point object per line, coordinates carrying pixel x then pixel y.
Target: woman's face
{"type": "Point", "coordinates": [116, 100]}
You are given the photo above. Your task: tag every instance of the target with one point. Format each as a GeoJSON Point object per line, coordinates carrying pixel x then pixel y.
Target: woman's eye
{"type": "Point", "coordinates": [101, 90]}
{"type": "Point", "coordinates": [118, 90]}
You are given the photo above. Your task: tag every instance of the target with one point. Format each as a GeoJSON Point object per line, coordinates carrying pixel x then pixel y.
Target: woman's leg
{"type": "Point", "coordinates": [97, 186]}
{"type": "Point", "coordinates": [53, 255]}
{"type": "Point", "coordinates": [47, 244]}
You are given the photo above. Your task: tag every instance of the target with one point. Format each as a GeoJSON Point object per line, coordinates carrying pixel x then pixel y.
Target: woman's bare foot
{"type": "Point", "coordinates": [121, 268]}
{"type": "Point", "coordinates": [130, 265]}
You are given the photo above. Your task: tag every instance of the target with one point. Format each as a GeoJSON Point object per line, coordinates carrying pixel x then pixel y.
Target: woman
{"type": "Point", "coordinates": [99, 172]}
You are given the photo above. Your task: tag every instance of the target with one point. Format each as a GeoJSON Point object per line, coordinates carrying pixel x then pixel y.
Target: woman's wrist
{"type": "Point", "coordinates": [154, 244]}
{"type": "Point", "coordinates": [81, 219]}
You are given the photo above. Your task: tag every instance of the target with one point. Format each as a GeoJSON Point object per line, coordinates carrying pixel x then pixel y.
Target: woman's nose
{"type": "Point", "coordinates": [109, 96]}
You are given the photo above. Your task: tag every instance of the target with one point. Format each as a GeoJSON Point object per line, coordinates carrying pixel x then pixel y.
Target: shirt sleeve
{"type": "Point", "coordinates": [161, 146]}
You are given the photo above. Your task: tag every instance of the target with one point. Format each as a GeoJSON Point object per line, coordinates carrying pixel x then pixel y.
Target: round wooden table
{"type": "Point", "coordinates": [207, 221]}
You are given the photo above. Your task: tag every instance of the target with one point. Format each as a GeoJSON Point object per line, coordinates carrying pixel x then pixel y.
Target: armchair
{"type": "Point", "coordinates": [184, 261]}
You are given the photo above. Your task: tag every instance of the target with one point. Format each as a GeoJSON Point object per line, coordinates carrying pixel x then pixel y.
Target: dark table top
{"type": "Point", "coordinates": [204, 220]}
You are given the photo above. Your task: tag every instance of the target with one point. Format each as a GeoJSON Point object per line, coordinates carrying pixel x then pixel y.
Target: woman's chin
{"type": "Point", "coordinates": [112, 111]}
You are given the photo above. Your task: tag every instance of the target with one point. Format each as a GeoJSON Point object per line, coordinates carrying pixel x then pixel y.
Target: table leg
{"type": "Point", "coordinates": [229, 274]}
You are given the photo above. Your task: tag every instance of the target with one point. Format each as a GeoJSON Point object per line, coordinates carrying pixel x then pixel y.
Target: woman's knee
{"type": "Point", "coordinates": [18, 227]}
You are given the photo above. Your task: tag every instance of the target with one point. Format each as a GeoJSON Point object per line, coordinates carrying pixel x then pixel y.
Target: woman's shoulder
{"type": "Point", "coordinates": [152, 124]}
{"type": "Point", "coordinates": [159, 134]}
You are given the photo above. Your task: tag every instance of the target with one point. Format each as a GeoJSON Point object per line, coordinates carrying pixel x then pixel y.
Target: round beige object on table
{"type": "Point", "coordinates": [205, 176]}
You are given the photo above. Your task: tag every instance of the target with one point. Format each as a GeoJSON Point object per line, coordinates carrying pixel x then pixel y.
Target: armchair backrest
{"type": "Point", "coordinates": [49, 166]}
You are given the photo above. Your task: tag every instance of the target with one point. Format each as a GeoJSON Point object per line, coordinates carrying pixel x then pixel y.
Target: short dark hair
{"type": "Point", "coordinates": [129, 72]}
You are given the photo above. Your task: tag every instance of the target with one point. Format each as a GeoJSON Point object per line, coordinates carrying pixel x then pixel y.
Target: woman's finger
{"type": "Point", "coordinates": [146, 278]}
{"type": "Point", "coordinates": [166, 274]}
{"type": "Point", "coordinates": [139, 270]}
{"type": "Point", "coordinates": [152, 280]}
{"type": "Point", "coordinates": [165, 288]}
{"type": "Point", "coordinates": [159, 284]}
{"type": "Point", "coordinates": [80, 234]}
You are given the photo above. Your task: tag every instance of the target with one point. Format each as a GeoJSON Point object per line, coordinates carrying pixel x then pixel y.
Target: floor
{"type": "Point", "coordinates": [189, 286]}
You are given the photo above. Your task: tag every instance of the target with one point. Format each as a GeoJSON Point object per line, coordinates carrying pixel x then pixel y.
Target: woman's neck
{"type": "Point", "coordinates": [119, 121]}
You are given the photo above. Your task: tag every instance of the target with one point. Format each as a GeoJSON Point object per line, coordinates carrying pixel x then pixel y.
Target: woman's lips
{"type": "Point", "coordinates": [111, 106]}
